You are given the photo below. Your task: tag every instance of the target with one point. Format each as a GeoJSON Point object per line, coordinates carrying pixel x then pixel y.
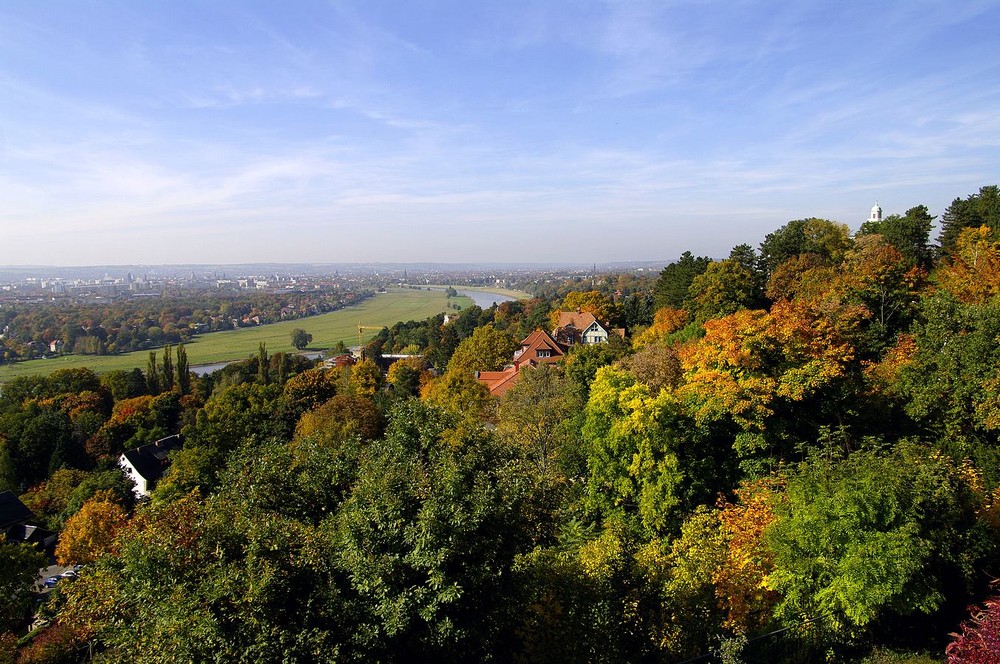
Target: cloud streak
{"type": "Point", "coordinates": [458, 132]}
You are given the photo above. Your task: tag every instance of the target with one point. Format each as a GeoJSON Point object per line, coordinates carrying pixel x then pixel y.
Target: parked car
{"type": "Point", "coordinates": [52, 581]}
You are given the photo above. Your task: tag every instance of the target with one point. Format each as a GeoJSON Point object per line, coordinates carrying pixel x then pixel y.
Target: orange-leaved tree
{"type": "Point", "coordinates": [91, 532]}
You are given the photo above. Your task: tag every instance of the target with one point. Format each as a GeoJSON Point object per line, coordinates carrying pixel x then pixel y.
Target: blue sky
{"type": "Point", "coordinates": [307, 131]}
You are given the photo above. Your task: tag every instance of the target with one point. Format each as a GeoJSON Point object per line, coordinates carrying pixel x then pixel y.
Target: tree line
{"type": "Point", "coordinates": [130, 325]}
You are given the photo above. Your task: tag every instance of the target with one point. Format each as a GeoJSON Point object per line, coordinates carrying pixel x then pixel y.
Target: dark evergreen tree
{"type": "Point", "coordinates": [671, 288]}
{"type": "Point", "coordinates": [263, 375]}
{"type": "Point", "coordinates": [152, 374]}
{"type": "Point", "coordinates": [167, 381]}
{"type": "Point", "coordinates": [183, 372]}
{"type": "Point", "coordinates": [981, 209]}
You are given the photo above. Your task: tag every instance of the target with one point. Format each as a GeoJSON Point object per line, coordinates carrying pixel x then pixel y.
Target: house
{"type": "Point", "coordinates": [14, 518]}
{"type": "Point", "coordinates": [145, 465]}
{"type": "Point", "coordinates": [537, 348]}
{"type": "Point", "coordinates": [575, 327]}
{"type": "Point", "coordinates": [13, 513]}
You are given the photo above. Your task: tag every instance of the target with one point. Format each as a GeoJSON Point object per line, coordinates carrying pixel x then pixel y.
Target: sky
{"type": "Point", "coordinates": [238, 131]}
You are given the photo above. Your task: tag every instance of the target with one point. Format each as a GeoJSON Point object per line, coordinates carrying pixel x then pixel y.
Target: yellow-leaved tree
{"type": "Point", "coordinates": [91, 532]}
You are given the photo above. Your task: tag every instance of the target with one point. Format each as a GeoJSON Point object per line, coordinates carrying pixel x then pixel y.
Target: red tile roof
{"type": "Point", "coordinates": [579, 320]}
{"type": "Point", "coordinates": [498, 382]}
{"type": "Point", "coordinates": [539, 340]}
{"type": "Point", "coordinates": [537, 348]}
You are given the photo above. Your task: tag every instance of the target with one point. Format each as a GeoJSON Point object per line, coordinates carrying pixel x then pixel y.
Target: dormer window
{"type": "Point", "coordinates": [543, 353]}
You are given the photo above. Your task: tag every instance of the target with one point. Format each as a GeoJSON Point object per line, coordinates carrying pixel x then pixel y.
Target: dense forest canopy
{"type": "Point", "coordinates": [792, 455]}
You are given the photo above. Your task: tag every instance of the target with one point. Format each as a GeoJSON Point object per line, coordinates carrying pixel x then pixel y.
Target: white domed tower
{"type": "Point", "coordinates": [876, 214]}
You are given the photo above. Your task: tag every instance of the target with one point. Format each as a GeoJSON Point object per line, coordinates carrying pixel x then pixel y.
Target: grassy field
{"type": "Point", "coordinates": [327, 329]}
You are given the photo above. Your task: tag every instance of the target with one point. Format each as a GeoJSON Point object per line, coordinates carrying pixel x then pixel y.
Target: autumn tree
{"type": "Point", "coordinates": [723, 288]}
{"type": "Point", "coordinates": [908, 234]}
{"type": "Point", "coordinates": [770, 373]}
{"type": "Point", "coordinates": [978, 642]}
{"type": "Point", "coordinates": [340, 418]}
{"type": "Point", "coordinates": [307, 390]}
{"type": "Point", "coordinates": [657, 365]}
{"type": "Point", "coordinates": [366, 377]}
{"type": "Point", "coordinates": [488, 349]}
{"type": "Point", "coordinates": [666, 321]}
{"type": "Point", "coordinates": [91, 532]}
{"type": "Point", "coordinates": [592, 302]}
{"type": "Point", "coordinates": [876, 275]}
{"type": "Point", "coordinates": [828, 239]}
{"type": "Point", "coordinates": [971, 272]}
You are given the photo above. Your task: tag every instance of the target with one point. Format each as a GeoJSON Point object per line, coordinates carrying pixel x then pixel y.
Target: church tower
{"type": "Point", "coordinates": [876, 215]}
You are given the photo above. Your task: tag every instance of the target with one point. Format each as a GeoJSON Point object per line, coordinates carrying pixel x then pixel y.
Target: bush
{"type": "Point", "coordinates": [979, 640]}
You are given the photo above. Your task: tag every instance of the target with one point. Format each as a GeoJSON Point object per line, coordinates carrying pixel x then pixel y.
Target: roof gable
{"type": "Point", "coordinates": [151, 460]}
{"type": "Point", "coordinates": [12, 510]}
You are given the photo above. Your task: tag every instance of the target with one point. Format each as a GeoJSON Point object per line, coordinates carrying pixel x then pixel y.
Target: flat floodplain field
{"type": "Point", "coordinates": [385, 309]}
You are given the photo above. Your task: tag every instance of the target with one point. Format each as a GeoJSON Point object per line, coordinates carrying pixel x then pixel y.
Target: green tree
{"type": "Point", "coordinates": [804, 236]}
{"type": "Point", "coordinates": [908, 234]}
{"type": "Point", "coordinates": [124, 383]}
{"type": "Point", "coordinates": [537, 416]}
{"type": "Point", "coordinates": [873, 535]}
{"type": "Point", "coordinates": [723, 288]}
{"type": "Point", "coordinates": [671, 288]}
{"type": "Point", "coordinates": [152, 375]}
{"type": "Point", "coordinates": [488, 349]}
{"type": "Point", "coordinates": [167, 370]}
{"type": "Point", "coordinates": [427, 537]}
{"type": "Point", "coordinates": [632, 438]}
{"type": "Point", "coordinates": [263, 373]}
{"type": "Point", "coordinates": [19, 565]}
{"type": "Point", "coordinates": [979, 209]}
{"type": "Point", "coordinates": [183, 371]}
{"type": "Point", "coordinates": [301, 338]}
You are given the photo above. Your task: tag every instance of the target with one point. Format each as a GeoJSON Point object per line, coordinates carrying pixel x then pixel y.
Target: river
{"type": "Point", "coordinates": [485, 299]}
{"type": "Point", "coordinates": [203, 369]}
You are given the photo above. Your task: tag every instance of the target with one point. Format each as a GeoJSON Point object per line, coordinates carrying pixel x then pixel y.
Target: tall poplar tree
{"type": "Point", "coordinates": [183, 372]}
{"type": "Point", "coordinates": [152, 374]}
{"type": "Point", "coordinates": [168, 370]}
{"type": "Point", "coordinates": [263, 376]}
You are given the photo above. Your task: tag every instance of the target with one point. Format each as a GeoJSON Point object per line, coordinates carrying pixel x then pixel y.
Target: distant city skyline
{"type": "Point", "coordinates": [245, 131]}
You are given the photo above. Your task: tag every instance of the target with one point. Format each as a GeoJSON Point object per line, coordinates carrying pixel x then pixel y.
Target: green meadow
{"type": "Point", "coordinates": [327, 329]}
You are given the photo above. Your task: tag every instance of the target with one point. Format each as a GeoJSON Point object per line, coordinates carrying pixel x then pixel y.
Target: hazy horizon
{"type": "Point", "coordinates": [244, 132]}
